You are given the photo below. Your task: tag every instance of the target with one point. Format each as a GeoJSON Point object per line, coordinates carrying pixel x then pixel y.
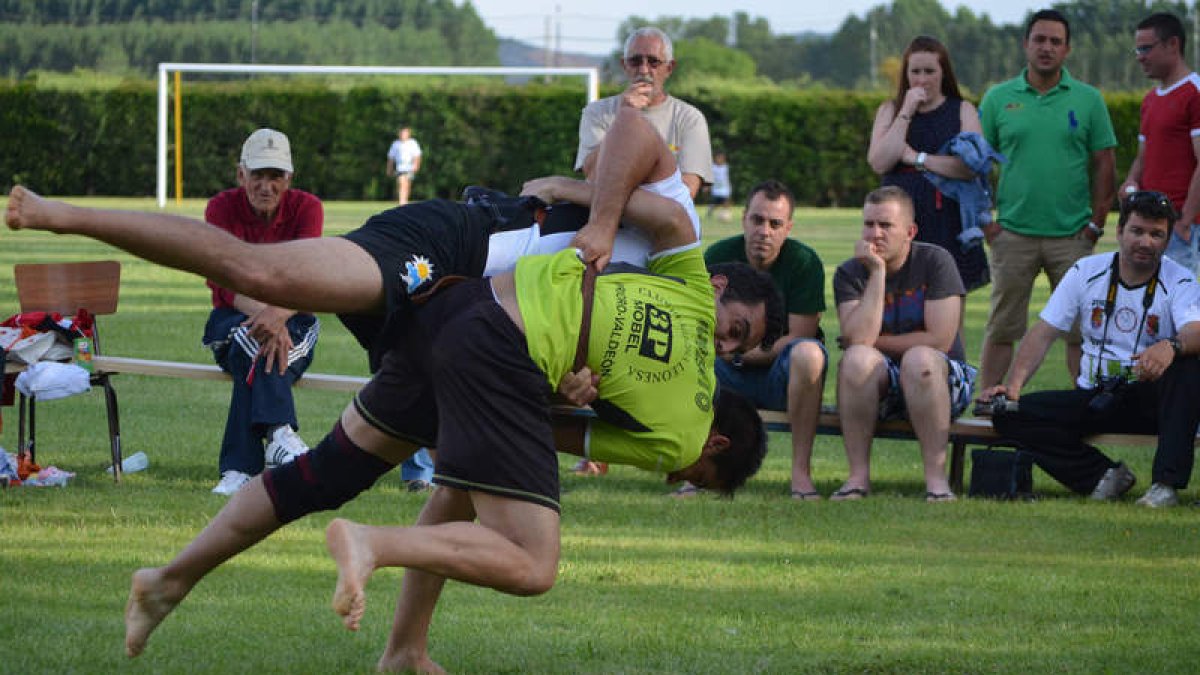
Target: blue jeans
{"type": "Point", "coordinates": [1186, 253]}
{"type": "Point", "coordinates": [417, 467]}
{"type": "Point", "coordinates": [765, 386]}
{"type": "Point", "coordinates": [260, 405]}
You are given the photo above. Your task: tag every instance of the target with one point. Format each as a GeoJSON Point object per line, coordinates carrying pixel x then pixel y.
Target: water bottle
{"type": "Point", "coordinates": [133, 463]}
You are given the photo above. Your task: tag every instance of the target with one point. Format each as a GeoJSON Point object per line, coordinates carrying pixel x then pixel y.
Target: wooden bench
{"type": "Point", "coordinates": [963, 431]}
{"type": "Point", "coordinates": [112, 365]}
{"type": "Point", "coordinates": [202, 371]}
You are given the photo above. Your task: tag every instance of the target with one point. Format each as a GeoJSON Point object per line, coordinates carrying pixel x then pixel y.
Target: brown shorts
{"type": "Point", "coordinates": [1016, 261]}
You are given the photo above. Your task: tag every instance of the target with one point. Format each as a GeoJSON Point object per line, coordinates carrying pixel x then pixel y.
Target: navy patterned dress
{"type": "Point", "coordinates": [938, 219]}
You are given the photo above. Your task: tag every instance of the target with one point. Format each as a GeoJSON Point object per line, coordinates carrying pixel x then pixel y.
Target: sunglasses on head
{"type": "Point", "coordinates": [636, 60]}
{"type": "Point", "coordinates": [1144, 198]}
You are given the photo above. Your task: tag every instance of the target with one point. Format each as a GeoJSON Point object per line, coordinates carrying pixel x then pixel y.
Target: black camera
{"type": "Point", "coordinates": [994, 406]}
{"type": "Point", "coordinates": [1109, 393]}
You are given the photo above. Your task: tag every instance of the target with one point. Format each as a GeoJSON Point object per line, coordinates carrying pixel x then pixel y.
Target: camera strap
{"type": "Point", "coordinates": [1110, 307]}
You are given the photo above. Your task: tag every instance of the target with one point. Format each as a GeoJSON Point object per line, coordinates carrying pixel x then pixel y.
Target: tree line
{"type": "Point", "coordinates": [129, 37]}
{"type": "Point", "coordinates": [132, 37]}
{"type": "Point", "coordinates": [983, 53]}
{"type": "Point", "coordinates": [390, 13]}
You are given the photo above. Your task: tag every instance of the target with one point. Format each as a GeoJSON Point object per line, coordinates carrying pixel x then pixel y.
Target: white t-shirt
{"type": "Point", "coordinates": [721, 187]}
{"type": "Point", "coordinates": [680, 124]}
{"type": "Point", "coordinates": [631, 244]}
{"type": "Point", "coordinates": [1081, 294]}
{"type": "Point", "coordinates": [404, 153]}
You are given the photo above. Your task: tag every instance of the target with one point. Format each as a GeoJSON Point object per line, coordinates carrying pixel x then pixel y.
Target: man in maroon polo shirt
{"type": "Point", "coordinates": [264, 348]}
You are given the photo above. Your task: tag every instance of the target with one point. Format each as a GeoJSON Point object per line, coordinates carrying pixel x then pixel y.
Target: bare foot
{"type": "Point", "coordinates": [22, 205]}
{"type": "Point", "coordinates": [27, 211]}
{"type": "Point", "coordinates": [355, 562]}
{"type": "Point", "coordinates": [150, 601]}
{"type": "Point", "coordinates": [403, 662]}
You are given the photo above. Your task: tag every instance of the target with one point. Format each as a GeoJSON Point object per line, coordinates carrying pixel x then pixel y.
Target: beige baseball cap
{"type": "Point", "coordinates": [267, 149]}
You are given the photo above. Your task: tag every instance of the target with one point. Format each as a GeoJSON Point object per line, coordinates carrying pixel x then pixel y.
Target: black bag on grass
{"type": "Point", "coordinates": [1001, 474]}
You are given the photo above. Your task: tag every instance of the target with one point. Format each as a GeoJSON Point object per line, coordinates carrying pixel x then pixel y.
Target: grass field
{"type": "Point", "coordinates": [647, 584]}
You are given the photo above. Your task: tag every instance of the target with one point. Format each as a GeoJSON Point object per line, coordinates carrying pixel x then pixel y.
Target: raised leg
{"type": "Point", "coordinates": [328, 274]}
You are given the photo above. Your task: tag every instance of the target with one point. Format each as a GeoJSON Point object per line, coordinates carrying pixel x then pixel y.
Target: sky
{"type": "Point", "coordinates": [589, 26]}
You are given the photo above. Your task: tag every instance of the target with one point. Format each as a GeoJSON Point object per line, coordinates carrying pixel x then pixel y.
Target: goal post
{"type": "Point", "coordinates": [591, 77]}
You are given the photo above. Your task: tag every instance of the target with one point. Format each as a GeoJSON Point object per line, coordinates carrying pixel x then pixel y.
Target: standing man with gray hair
{"type": "Point", "coordinates": [648, 61]}
{"type": "Point", "coordinates": [264, 348]}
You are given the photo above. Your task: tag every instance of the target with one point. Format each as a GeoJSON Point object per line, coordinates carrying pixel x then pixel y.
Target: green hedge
{"type": "Point", "coordinates": [103, 143]}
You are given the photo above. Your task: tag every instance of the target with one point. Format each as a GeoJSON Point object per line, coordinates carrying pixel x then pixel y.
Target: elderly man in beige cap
{"type": "Point", "coordinates": [264, 348]}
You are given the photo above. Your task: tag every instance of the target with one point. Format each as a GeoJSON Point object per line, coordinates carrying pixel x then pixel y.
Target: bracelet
{"type": "Point", "coordinates": [907, 118]}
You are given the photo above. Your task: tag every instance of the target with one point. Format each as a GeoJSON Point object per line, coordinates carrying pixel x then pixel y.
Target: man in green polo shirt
{"type": "Point", "coordinates": [1050, 126]}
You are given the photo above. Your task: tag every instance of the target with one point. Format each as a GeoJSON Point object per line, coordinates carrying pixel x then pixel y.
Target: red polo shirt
{"type": "Point", "coordinates": [299, 216]}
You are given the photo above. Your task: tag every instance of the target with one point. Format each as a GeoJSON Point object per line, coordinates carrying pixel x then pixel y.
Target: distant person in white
{"type": "Point", "coordinates": [403, 162]}
{"type": "Point", "coordinates": [722, 189]}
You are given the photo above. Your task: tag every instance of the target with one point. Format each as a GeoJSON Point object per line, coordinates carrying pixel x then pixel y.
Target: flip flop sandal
{"type": "Point", "coordinates": [849, 494]}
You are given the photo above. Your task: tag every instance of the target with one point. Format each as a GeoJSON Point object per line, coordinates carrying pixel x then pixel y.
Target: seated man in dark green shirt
{"type": "Point", "coordinates": [790, 375]}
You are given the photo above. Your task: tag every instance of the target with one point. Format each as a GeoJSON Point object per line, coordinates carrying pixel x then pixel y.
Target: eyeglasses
{"type": "Point", "coordinates": [636, 60]}
{"type": "Point", "coordinates": [1142, 50]}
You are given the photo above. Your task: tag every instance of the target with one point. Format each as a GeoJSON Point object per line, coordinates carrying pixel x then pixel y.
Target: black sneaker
{"type": "Point", "coordinates": [508, 212]}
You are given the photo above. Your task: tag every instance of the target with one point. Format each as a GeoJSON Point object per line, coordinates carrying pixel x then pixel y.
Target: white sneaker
{"type": "Point", "coordinates": [1114, 483]}
{"type": "Point", "coordinates": [1158, 496]}
{"type": "Point", "coordinates": [231, 482]}
{"type": "Point", "coordinates": [284, 446]}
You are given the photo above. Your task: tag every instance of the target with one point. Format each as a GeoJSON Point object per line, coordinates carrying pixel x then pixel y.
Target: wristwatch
{"type": "Point", "coordinates": [1096, 230]}
{"type": "Point", "coordinates": [919, 164]}
{"type": "Point", "coordinates": [1176, 345]}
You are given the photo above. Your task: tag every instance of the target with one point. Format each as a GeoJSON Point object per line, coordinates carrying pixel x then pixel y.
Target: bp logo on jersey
{"type": "Point", "coordinates": [652, 328]}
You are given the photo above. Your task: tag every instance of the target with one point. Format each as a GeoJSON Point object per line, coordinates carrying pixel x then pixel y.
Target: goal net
{"type": "Point", "coordinates": [591, 77]}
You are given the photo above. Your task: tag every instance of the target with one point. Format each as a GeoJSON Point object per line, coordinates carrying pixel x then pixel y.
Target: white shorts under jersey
{"type": "Point", "coordinates": [631, 245]}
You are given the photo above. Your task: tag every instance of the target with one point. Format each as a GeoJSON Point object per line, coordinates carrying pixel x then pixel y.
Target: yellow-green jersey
{"type": "Point", "coordinates": [651, 343]}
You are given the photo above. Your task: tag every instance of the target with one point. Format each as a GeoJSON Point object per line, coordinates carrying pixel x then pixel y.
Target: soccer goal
{"type": "Point", "coordinates": [591, 78]}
